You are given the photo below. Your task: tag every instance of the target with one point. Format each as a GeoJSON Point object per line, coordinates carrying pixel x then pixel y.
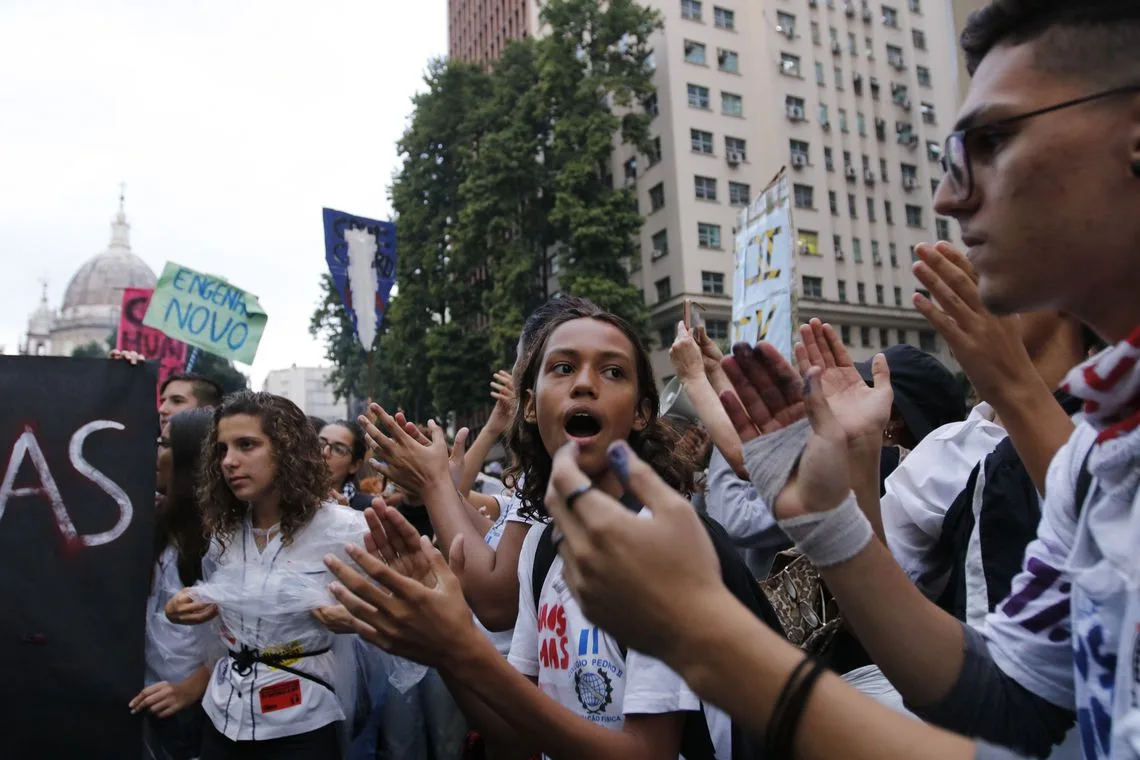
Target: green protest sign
{"type": "Point", "coordinates": [206, 311]}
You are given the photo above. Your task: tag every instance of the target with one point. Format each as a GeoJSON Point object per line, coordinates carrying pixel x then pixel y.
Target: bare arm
{"type": "Point", "coordinates": [503, 392]}
{"type": "Point", "coordinates": [685, 356]}
{"type": "Point", "coordinates": [1036, 424]}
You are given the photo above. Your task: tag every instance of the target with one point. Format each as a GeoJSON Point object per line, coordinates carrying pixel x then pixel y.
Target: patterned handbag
{"type": "Point", "coordinates": [808, 613]}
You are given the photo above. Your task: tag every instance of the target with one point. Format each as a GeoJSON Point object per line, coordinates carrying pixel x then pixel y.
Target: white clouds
{"type": "Point", "coordinates": [232, 121]}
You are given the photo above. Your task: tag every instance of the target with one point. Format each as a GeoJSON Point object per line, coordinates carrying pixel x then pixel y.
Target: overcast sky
{"type": "Point", "coordinates": [231, 121]}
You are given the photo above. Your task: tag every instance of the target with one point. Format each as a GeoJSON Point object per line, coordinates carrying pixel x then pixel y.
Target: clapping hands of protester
{"type": "Point", "coordinates": [417, 611]}
{"type": "Point", "coordinates": [134, 357]}
{"type": "Point", "coordinates": [404, 457]}
{"type": "Point", "coordinates": [503, 393]}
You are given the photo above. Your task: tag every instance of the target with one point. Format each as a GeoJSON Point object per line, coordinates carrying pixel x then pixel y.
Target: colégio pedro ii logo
{"type": "Point", "coordinates": [595, 690]}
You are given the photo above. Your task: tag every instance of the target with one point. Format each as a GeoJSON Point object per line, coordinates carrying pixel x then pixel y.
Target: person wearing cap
{"type": "Point", "coordinates": [926, 397]}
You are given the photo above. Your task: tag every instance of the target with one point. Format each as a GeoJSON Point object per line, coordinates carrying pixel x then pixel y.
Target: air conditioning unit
{"type": "Point", "coordinates": [868, 176]}
{"type": "Point", "coordinates": [836, 48]}
{"type": "Point", "coordinates": [898, 64]}
{"type": "Point", "coordinates": [867, 15]}
{"type": "Point", "coordinates": [657, 255]}
{"type": "Point", "coordinates": [850, 172]}
{"type": "Point", "coordinates": [849, 9]}
{"type": "Point", "coordinates": [904, 104]}
{"type": "Point", "coordinates": [825, 126]}
{"type": "Point", "coordinates": [734, 157]}
{"type": "Point", "coordinates": [799, 160]}
{"type": "Point", "coordinates": [795, 113]}
{"type": "Point", "coordinates": [839, 254]}
{"type": "Point", "coordinates": [788, 32]}
{"type": "Point", "coordinates": [813, 3]}
{"type": "Point", "coordinates": [910, 183]}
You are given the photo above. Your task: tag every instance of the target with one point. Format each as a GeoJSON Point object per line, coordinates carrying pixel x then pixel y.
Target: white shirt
{"type": "Point", "coordinates": [508, 513]}
{"type": "Point", "coordinates": [268, 703]}
{"type": "Point", "coordinates": [173, 651]}
{"type": "Point", "coordinates": [582, 667]}
{"type": "Point", "coordinates": [923, 487]}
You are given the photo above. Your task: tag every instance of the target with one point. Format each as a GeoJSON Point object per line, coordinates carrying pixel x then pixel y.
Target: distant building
{"type": "Point", "coordinates": [309, 389]}
{"type": "Point", "coordinates": [92, 301]}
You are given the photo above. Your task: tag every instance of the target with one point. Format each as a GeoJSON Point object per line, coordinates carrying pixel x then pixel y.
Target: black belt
{"type": "Point", "coordinates": [245, 658]}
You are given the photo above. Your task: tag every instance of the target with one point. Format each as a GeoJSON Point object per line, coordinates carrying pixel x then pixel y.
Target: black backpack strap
{"type": "Point", "coordinates": [544, 555]}
{"type": "Point", "coordinates": [1084, 483]}
{"type": "Point", "coordinates": [696, 741]}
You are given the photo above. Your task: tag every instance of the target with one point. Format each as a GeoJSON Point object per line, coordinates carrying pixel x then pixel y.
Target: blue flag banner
{"type": "Point", "coordinates": [361, 255]}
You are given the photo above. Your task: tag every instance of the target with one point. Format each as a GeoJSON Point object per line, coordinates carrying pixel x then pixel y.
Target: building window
{"type": "Point", "coordinates": [928, 341]}
{"type": "Point", "coordinates": [694, 52]}
{"type": "Point", "coordinates": [842, 290]}
{"type": "Point", "coordinates": [660, 242]}
{"type": "Point", "coordinates": [833, 36]}
{"type": "Point", "coordinates": [874, 88]}
{"type": "Point", "coordinates": [923, 75]}
{"type": "Point", "coordinates": [813, 287]}
{"type": "Point", "coordinates": [650, 105]}
{"type": "Point", "coordinates": [803, 196]}
{"type": "Point", "coordinates": [666, 335]}
{"type": "Point", "coordinates": [724, 18]}
{"type": "Point", "coordinates": [916, 7]}
{"type": "Point", "coordinates": [823, 120]}
{"type": "Point", "coordinates": [739, 193]}
{"type": "Point", "coordinates": [913, 216]}
{"type": "Point", "coordinates": [837, 246]}
{"type": "Point", "coordinates": [890, 16]}
{"type": "Point", "coordinates": [876, 257]}
{"type": "Point", "coordinates": [654, 155]}
{"type": "Point", "coordinates": [909, 174]}
{"type": "Point", "coordinates": [842, 119]}
{"type": "Point", "coordinates": [852, 46]}
{"type": "Point", "coordinates": [857, 83]}
{"type": "Point", "coordinates": [918, 38]}
{"type": "Point", "coordinates": [898, 300]}
{"type": "Point", "coordinates": [888, 212]}
{"type": "Point", "coordinates": [814, 31]}
{"type": "Point", "coordinates": [717, 329]}
{"type": "Point", "coordinates": [934, 187]}
{"type": "Point", "coordinates": [838, 74]}
{"type": "Point", "coordinates": [728, 61]}
{"type": "Point", "coordinates": [701, 141]}
{"type": "Point", "coordinates": [895, 56]}
{"type": "Point", "coordinates": [786, 24]}
{"type": "Point", "coordinates": [712, 282]}
{"type": "Point", "coordinates": [794, 107]}
{"type": "Point", "coordinates": [846, 159]}
{"type": "Point", "coordinates": [870, 208]}
{"type": "Point", "coordinates": [630, 168]}
{"type": "Point", "coordinates": [884, 337]}
{"type": "Point", "coordinates": [799, 148]}
{"type": "Point", "coordinates": [857, 250]}
{"type": "Point", "coordinates": [691, 10]}
{"type": "Point", "coordinates": [881, 129]}
{"type": "Point", "coordinates": [705, 188]}
{"type": "Point", "coordinates": [893, 252]}
{"type": "Point", "coordinates": [698, 96]}
{"type": "Point", "coordinates": [928, 114]}
{"type": "Point", "coordinates": [807, 243]}
{"type": "Point", "coordinates": [819, 74]}
{"type": "Point", "coordinates": [879, 299]}
{"type": "Point", "coordinates": [708, 235]}
{"type": "Point", "coordinates": [865, 336]}
{"type": "Point", "coordinates": [833, 202]}
{"type": "Point", "coordinates": [851, 210]}
{"type": "Point", "coordinates": [664, 291]}
{"type": "Point", "coordinates": [828, 163]}
{"type": "Point", "coordinates": [657, 197]}
{"type": "Point", "coordinates": [845, 334]}
{"type": "Point", "coordinates": [734, 146]}
{"type": "Point", "coordinates": [942, 229]}
{"type": "Point", "coordinates": [790, 64]}
{"type": "Point", "coordinates": [731, 105]}
{"type": "Point", "coordinates": [861, 123]}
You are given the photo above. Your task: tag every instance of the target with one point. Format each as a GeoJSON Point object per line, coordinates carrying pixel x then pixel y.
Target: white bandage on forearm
{"type": "Point", "coordinates": [771, 459]}
{"type": "Point", "coordinates": [831, 537]}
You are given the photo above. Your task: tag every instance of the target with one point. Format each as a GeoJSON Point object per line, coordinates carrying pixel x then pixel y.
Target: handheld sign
{"type": "Point", "coordinates": [361, 254]}
{"type": "Point", "coordinates": [77, 476]}
{"type": "Point", "coordinates": [206, 311]}
{"type": "Point", "coordinates": [135, 336]}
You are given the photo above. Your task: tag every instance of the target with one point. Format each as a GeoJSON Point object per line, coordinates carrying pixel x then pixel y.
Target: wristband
{"type": "Point", "coordinates": [831, 537]}
{"type": "Point", "coordinates": [771, 459]}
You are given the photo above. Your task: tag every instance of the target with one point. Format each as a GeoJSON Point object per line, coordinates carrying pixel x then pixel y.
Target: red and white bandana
{"type": "Point", "coordinates": [1109, 384]}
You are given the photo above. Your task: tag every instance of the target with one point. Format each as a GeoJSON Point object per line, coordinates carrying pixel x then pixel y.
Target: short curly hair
{"type": "Point", "coordinates": [658, 444]}
{"type": "Point", "coordinates": [1095, 40]}
{"type": "Point", "coordinates": [302, 477]}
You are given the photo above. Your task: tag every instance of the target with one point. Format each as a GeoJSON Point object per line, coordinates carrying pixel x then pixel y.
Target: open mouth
{"type": "Point", "coordinates": [583, 425]}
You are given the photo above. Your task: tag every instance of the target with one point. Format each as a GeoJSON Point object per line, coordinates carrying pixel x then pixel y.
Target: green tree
{"type": "Point", "coordinates": [221, 371]}
{"type": "Point", "coordinates": [91, 350]}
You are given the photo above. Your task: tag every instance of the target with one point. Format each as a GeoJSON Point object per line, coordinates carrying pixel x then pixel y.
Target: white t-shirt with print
{"type": "Point", "coordinates": [582, 667]}
{"type": "Point", "coordinates": [268, 703]}
{"type": "Point", "coordinates": [508, 513]}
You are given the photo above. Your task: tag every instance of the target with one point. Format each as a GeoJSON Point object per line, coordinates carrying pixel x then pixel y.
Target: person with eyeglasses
{"type": "Point", "coordinates": [342, 444]}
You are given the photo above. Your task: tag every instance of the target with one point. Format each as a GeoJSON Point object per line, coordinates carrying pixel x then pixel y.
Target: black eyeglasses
{"type": "Point", "coordinates": [956, 158]}
{"type": "Point", "coordinates": [337, 448]}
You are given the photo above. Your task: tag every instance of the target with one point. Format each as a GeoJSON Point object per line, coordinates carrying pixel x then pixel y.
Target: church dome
{"type": "Point", "coordinates": [100, 281]}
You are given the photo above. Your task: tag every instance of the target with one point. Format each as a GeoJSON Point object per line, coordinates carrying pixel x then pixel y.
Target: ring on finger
{"type": "Point", "coordinates": [574, 495]}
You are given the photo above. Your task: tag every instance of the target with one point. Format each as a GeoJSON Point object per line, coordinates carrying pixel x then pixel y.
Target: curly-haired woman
{"type": "Point", "coordinates": [263, 488]}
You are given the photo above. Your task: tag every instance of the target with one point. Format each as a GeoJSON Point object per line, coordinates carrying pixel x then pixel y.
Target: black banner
{"type": "Point", "coordinates": [77, 457]}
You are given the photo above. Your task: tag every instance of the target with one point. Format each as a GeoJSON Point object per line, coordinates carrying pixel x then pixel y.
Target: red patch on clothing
{"type": "Point", "coordinates": [280, 696]}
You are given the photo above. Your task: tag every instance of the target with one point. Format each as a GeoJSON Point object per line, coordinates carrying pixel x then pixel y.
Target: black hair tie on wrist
{"type": "Point", "coordinates": [779, 739]}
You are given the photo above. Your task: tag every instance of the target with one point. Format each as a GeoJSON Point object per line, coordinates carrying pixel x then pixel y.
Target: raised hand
{"type": "Point", "coordinates": [988, 347]}
{"type": "Point", "coordinates": [503, 392]}
{"type": "Point", "coordinates": [134, 357]}
{"type": "Point", "coordinates": [685, 355]}
{"type": "Point", "coordinates": [458, 451]}
{"type": "Point", "coordinates": [417, 610]}
{"type": "Point", "coordinates": [637, 579]}
{"type": "Point", "coordinates": [769, 393]}
{"type": "Point", "coordinates": [862, 411]}
{"type": "Point", "coordinates": [404, 459]}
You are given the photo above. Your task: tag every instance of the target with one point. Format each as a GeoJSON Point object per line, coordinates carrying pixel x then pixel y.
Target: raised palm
{"type": "Point", "coordinates": [861, 410]}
